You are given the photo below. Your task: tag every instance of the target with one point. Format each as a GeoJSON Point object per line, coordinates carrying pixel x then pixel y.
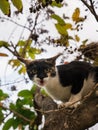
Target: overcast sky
{"type": "Point", "coordinates": [6, 28]}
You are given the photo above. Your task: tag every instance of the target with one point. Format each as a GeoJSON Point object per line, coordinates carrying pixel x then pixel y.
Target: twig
{"type": "Point", "coordinates": [16, 113]}
{"type": "Point", "coordinates": [26, 44]}
{"type": "Point", "coordinates": [91, 8]}
{"type": "Point", "coordinates": [11, 83]}
{"type": "Point", "coordinates": [15, 23]}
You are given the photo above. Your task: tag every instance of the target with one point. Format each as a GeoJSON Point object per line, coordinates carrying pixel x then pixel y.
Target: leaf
{"type": "Point", "coordinates": [14, 63]}
{"type": "Point", "coordinates": [25, 94]}
{"type": "Point", "coordinates": [22, 70]}
{"type": "Point", "coordinates": [77, 38]}
{"type": "Point", "coordinates": [1, 116]}
{"type": "Point", "coordinates": [76, 14]}
{"type": "Point", "coordinates": [33, 89]}
{"type": "Point", "coordinates": [54, 3]}
{"type": "Point", "coordinates": [5, 7]}
{"type": "Point", "coordinates": [21, 43]}
{"type": "Point", "coordinates": [43, 92]}
{"type": "Point", "coordinates": [8, 124]}
{"type": "Point", "coordinates": [68, 26]}
{"type": "Point", "coordinates": [4, 44]}
{"type": "Point", "coordinates": [58, 18]}
{"type": "Point", "coordinates": [12, 106]}
{"type": "Point", "coordinates": [3, 95]}
{"type": "Point", "coordinates": [32, 51]}
{"type": "Point", "coordinates": [3, 54]}
{"type": "Point", "coordinates": [61, 29]}
{"type": "Point", "coordinates": [85, 41]}
{"type": "Point", "coordinates": [18, 4]}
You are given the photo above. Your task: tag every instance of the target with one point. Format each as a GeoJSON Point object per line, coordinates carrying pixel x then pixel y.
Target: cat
{"type": "Point", "coordinates": [68, 83]}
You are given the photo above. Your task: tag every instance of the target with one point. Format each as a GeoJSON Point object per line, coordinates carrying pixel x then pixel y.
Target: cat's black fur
{"type": "Point", "coordinates": [67, 82]}
{"type": "Point", "coordinates": [74, 74]}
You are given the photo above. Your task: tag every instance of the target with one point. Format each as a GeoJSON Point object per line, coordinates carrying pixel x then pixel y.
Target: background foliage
{"type": "Point", "coordinates": [23, 113]}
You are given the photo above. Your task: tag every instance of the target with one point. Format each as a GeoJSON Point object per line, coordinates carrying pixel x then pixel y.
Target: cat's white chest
{"type": "Point", "coordinates": [56, 90]}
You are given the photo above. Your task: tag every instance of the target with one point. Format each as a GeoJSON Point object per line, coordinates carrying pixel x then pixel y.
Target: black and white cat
{"type": "Point", "coordinates": [68, 83]}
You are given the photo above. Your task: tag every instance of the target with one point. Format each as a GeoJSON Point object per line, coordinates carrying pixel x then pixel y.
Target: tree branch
{"type": "Point", "coordinates": [85, 116]}
{"type": "Point", "coordinates": [91, 8]}
{"type": "Point", "coordinates": [16, 113]}
{"type": "Point", "coordinates": [30, 36]}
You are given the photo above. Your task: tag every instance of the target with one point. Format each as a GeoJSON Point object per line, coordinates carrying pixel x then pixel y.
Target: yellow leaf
{"type": "Point", "coordinates": [68, 26]}
{"type": "Point", "coordinates": [77, 38]}
{"type": "Point", "coordinates": [76, 14]}
{"type": "Point", "coordinates": [3, 54]}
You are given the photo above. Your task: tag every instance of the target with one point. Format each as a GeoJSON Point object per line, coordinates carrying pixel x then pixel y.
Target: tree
{"type": "Point", "coordinates": [32, 104]}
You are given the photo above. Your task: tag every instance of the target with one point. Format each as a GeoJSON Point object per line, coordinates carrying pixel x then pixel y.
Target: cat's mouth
{"type": "Point", "coordinates": [41, 82]}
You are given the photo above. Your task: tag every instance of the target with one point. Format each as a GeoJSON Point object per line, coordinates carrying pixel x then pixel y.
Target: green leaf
{"type": "Point", "coordinates": [1, 116]}
{"type": "Point", "coordinates": [18, 4]}
{"type": "Point", "coordinates": [22, 70]}
{"type": "Point", "coordinates": [61, 29]}
{"type": "Point", "coordinates": [54, 3]}
{"type": "Point", "coordinates": [12, 106]}
{"type": "Point", "coordinates": [5, 7]}
{"type": "Point", "coordinates": [14, 63]}
{"type": "Point", "coordinates": [33, 89]}
{"type": "Point", "coordinates": [43, 92]}
{"type": "Point", "coordinates": [8, 124]}
{"type": "Point", "coordinates": [3, 95]}
{"type": "Point", "coordinates": [58, 18]}
{"type": "Point", "coordinates": [85, 41]}
{"type": "Point", "coordinates": [32, 55]}
{"type": "Point", "coordinates": [21, 43]}
{"type": "Point", "coordinates": [32, 51]}
{"type": "Point", "coordinates": [4, 44]}
{"type": "Point", "coordinates": [25, 94]}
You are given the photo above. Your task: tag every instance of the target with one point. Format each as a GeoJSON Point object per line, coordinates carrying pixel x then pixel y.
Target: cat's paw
{"type": "Point", "coordinates": [68, 105]}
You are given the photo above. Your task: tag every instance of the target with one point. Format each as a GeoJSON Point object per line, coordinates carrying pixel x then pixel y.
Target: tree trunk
{"type": "Point", "coordinates": [81, 118]}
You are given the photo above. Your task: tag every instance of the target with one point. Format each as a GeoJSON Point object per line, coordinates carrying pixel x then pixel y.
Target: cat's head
{"type": "Point", "coordinates": [39, 71]}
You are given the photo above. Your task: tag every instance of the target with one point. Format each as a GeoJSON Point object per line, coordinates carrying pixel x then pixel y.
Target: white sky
{"type": "Point", "coordinates": [6, 28]}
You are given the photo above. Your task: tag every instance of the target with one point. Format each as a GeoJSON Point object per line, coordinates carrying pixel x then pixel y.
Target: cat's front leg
{"type": "Point", "coordinates": [73, 102]}
{"type": "Point", "coordinates": [68, 105]}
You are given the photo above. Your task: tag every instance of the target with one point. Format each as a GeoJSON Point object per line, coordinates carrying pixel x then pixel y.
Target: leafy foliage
{"type": "Point", "coordinates": [18, 4]}
{"type": "Point", "coordinates": [22, 113]}
{"type": "Point", "coordinates": [5, 6]}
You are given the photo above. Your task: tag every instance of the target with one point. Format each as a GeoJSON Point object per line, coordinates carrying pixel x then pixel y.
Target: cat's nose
{"type": "Point", "coordinates": [41, 77]}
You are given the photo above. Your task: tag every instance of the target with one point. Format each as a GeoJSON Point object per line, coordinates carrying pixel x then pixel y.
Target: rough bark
{"type": "Point", "coordinates": [81, 118]}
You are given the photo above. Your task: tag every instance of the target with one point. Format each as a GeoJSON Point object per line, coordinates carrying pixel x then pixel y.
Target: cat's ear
{"type": "Point", "coordinates": [25, 61]}
{"type": "Point", "coordinates": [53, 59]}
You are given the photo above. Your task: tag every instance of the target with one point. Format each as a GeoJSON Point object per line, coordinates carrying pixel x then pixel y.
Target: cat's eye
{"type": "Point", "coordinates": [47, 70]}
{"type": "Point", "coordinates": [34, 71]}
